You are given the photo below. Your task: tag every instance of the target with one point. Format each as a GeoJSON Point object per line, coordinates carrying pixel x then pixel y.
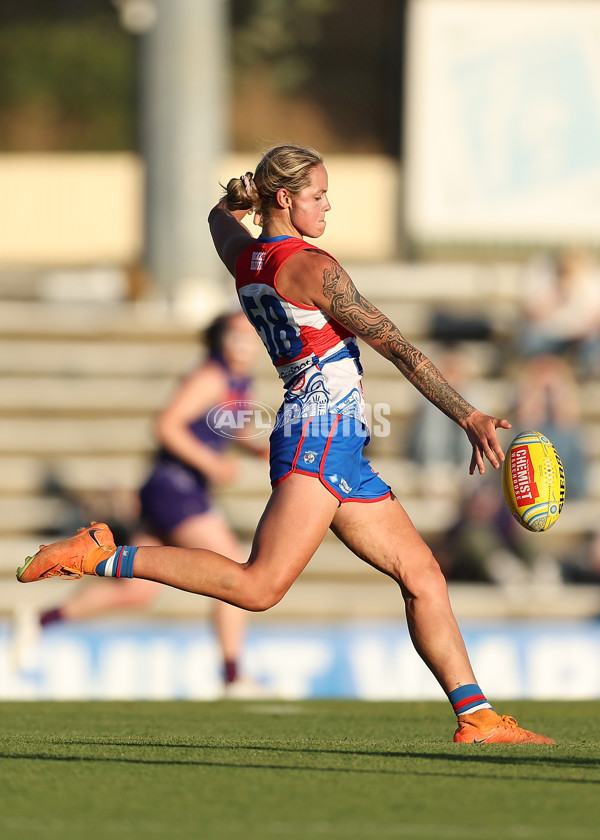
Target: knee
{"type": "Point", "coordinates": [260, 596]}
{"type": "Point", "coordinates": [423, 579]}
{"type": "Point", "coordinates": [262, 600]}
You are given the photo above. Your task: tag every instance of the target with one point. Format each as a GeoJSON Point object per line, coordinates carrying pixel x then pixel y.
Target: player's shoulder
{"type": "Point", "coordinates": [302, 276]}
{"type": "Point", "coordinates": [310, 258]}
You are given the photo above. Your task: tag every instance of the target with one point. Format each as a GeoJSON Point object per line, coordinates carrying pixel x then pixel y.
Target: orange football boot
{"type": "Point", "coordinates": [70, 558]}
{"type": "Point", "coordinates": [487, 727]}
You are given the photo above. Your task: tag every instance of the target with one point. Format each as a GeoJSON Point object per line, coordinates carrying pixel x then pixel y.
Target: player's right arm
{"type": "Point", "coordinates": [229, 235]}
{"type": "Point", "coordinates": [321, 281]}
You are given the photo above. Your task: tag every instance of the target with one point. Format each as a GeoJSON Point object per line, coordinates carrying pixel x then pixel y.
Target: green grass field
{"type": "Point", "coordinates": [299, 771]}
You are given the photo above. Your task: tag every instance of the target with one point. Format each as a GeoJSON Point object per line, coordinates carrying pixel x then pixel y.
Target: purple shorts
{"type": "Point", "coordinates": [172, 494]}
{"type": "Point", "coordinates": [330, 448]}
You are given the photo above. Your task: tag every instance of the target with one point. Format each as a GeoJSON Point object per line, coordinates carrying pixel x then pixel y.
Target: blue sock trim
{"type": "Point", "coordinates": [120, 565]}
{"type": "Point", "coordinates": [465, 698]}
{"type": "Point", "coordinates": [101, 568]}
{"type": "Point", "coordinates": [125, 558]}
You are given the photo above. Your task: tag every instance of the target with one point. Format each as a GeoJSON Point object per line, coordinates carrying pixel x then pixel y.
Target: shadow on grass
{"type": "Point", "coordinates": [460, 753]}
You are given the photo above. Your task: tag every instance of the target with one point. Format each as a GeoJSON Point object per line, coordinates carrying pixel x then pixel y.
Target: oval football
{"type": "Point", "coordinates": [533, 481]}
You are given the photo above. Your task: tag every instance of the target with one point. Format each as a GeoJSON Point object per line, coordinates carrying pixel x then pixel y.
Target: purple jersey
{"type": "Point", "coordinates": [174, 490]}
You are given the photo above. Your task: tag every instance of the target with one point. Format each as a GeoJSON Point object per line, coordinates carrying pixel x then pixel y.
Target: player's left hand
{"type": "Point", "coordinates": [481, 431]}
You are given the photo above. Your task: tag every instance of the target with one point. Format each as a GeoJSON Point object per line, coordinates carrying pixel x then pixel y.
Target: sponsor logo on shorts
{"type": "Point", "coordinates": [310, 457]}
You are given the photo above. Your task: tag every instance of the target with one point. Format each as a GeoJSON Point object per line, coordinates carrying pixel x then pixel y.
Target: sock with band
{"type": "Point", "coordinates": [467, 699]}
{"type": "Point", "coordinates": [120, 564]}
{"type": "Point", "coordinates": [230, 671]}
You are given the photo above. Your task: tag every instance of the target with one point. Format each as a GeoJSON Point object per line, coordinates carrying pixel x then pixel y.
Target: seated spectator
{"type": "Point", "coordinates": [561, 309]}
{"type": "Point", "coordinates": [439, 447]}
{"type": "Point", "coordinates": [485, 543]}
{"type": "Point", "coordinates": [581, 564]}
{"type": "Point", "coordinates": [547, 399]}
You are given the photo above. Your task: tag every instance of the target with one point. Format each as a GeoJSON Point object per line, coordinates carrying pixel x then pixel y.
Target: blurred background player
{"type": "Point", "coordinates": [175, 501]}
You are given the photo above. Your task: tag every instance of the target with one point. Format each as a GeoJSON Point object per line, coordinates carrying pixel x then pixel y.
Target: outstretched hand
{"type": "Point", "coordinates": [481, 431]}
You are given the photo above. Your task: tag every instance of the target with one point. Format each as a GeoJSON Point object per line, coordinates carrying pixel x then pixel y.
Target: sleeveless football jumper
{"type": "Point", "coordinates": [320, 428]}
{"type": "Point", "coordinates": [174, 491]}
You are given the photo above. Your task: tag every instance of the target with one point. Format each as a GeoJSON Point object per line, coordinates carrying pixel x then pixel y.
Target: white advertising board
{"type": "Point", "coordinates": [367, 661]}
{"type": "Point", "coordinates": [502, 137]}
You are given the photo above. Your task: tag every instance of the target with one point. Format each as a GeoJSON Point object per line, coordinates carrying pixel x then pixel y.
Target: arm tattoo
{"type": "Point", "coordinates": [355, 312]}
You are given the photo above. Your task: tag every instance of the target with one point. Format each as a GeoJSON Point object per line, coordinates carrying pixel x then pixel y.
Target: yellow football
{"type": "Point", "coordinates": [533, 481]}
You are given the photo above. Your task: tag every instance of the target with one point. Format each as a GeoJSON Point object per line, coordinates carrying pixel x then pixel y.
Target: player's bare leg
{"type": "Point", "coordinates": [382, 534]}
{"type": "Point", "coordinates": [292, 527]}
{"type": "Point", "coordinates": [290, 530]}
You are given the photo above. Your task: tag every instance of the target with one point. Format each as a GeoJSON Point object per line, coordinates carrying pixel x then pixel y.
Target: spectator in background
{"type": "Point", "coordinates": [547, 399]}
{"type": "Point", "coordinates": [485, 544]}
{"type": "Point", "coordinates": [439, 447]}
{"type": "Point", "coordinates": [581, 563]}
{"type": "Point", "coordinates": [561, 309]}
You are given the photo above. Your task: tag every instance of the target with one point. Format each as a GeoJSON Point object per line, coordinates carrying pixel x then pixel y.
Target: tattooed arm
{"type": "Point", "coordinates": [334, 292]}
{"type": "Point", "coordinates": [350, 308]}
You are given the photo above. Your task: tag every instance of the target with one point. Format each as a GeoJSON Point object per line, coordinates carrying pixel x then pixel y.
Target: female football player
{"type": "Point", "coordinates": [309, 315]}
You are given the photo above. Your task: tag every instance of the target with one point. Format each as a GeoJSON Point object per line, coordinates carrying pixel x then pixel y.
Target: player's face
{"type": "Point", "coordinates": [308, 207]}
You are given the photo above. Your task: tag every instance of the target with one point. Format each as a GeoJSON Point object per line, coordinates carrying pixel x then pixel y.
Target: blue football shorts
{"type": "Point", "coordinates": [331, 449]}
